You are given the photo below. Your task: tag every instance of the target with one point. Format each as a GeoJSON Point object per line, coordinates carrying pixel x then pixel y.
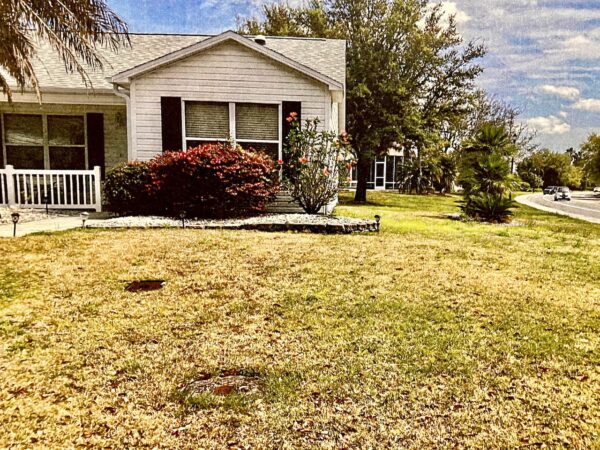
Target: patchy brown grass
{"type": "Point", "coordinates": [430, 334]}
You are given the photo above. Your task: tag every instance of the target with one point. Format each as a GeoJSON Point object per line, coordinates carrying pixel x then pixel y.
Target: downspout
{"type": "Point", "coordinates": [125, 94]}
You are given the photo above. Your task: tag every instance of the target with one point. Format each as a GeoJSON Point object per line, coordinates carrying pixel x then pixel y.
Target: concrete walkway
{"type": "Point", "coordinates": [40, 226]}
{"type": "Point", "coordinates": [575, 209]}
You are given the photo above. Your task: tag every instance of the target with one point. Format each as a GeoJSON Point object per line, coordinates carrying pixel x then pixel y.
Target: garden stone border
{"type": "Point", "coordinates": [303, 223]}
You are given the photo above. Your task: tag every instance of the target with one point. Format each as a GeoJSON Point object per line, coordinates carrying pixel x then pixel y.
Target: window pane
{"type": "Point", "coordinates": [207, 120]}
{"type": "Point", "coordinates": [271, 150]}
{"type": "Point", "coordinates": [65, 130]}
{"type": "Point", "coordinates": [194, 144]}
{"type": "Point", "coordinates": [260, 122]}
{"type": "Point", "coordinates": [25, 157]}
{"type": "Point", "coordinates": [23, 129]}
{"type": "Point", "coordinates": [67, 158]}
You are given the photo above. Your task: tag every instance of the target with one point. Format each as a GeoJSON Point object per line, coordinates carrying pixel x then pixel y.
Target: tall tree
{"type": "Point", "coordinates": [590, 158]}
{"type": "Point", "coordinates": [74, 29]}
{"type": "Point", "coordinates": [409, 72]}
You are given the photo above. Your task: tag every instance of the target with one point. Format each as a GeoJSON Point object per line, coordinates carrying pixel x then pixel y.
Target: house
{"type": "Point", "coordinates": [170, 92]}
{"type": "Point", "coordinates": [385, 172]}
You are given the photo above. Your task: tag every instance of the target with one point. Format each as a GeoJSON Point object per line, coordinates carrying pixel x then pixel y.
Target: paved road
{"type": "Point", "coordinates": [584, 205]}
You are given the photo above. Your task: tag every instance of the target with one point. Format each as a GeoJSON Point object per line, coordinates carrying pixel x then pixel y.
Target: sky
{"type": "Point", "coordinates": [543, 55]}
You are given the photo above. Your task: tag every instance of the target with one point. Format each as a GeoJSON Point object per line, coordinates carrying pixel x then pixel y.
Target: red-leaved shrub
{"type": "Point", "coordinates": [213, 180]}
{"type": "Point", "coordinates": [210, 181]}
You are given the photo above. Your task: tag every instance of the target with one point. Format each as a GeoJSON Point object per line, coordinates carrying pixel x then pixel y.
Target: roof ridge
{"type": "Point", "coordinates": [249, 36]}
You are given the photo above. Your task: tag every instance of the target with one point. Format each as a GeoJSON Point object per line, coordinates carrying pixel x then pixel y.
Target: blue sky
{"type": "Point", "coordinates": [543, 55]}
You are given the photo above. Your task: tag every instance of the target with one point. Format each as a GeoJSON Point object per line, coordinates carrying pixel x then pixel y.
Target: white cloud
{"type": "Point", "coordinates": [570, 93]}
{"type": "Point", "coordinates": [588, 104]}
{"type": "Point", "coordinates": [563, 114]}
{"type": "Point", "coordinates": [549, 125]}
{"type": "Point", "coordinates": [451, 9]}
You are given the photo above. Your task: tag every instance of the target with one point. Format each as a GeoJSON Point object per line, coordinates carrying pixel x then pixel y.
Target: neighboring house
{"type": "Point", "coordinates": [169, 92]}
{"type": "Point", "coordinates": [385, 172]}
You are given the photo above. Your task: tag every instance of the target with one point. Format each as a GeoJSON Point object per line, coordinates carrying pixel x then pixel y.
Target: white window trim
{"type": "Point", "coordinates": [232, 126]}
{"type": "Point", "coordinates": [45, 136]}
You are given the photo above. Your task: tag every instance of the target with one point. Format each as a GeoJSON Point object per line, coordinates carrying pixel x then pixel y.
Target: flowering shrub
{"type": "Point", "coordinates": [125, 188]}
{"type": "Point", "coordinates": [215, 180]}
{"type": "Point", "coordinates": [316, 163]}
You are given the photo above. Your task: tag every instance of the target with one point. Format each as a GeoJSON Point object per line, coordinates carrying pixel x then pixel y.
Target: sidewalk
{"type": "Point", "coordinates": [39, 226]}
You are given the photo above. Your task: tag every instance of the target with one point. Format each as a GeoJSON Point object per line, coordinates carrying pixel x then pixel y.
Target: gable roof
{"type": "Point", "coordinates": [323, 59]}
{"type": "Point", "coordinates": [213, 41]}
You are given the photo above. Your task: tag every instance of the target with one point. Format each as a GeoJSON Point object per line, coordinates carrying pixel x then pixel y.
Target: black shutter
{"type": "Point", "coordinates": [95, 138]}
{"type": "Point", "coordinates": [170, 109]}
{"type": "Point", "coordinates": [286, 109]}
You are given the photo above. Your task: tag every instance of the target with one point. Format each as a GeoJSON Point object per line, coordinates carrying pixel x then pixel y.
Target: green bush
{"type": "Point", "coordinates": [126, 189]}
{"type": "Point", "coordinates": [486, 207]}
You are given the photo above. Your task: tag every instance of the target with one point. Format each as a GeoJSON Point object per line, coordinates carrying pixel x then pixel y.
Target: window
{"type": "Point", "coordinates": [207, 121]}
{"type": "Point", "coordinates": [66, 140]}
{"type": "Point", "coordinates": [24, 141]}
{"type": "Point", "coordinates": [45, 141]}
{"type": "Point", "coordinates": [251, 125]}
{"type": "Point", "coordinates": [257, 122]}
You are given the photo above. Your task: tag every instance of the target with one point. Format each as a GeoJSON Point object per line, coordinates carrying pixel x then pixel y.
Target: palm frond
{"type": "Point", "coordinates": [75, 29]}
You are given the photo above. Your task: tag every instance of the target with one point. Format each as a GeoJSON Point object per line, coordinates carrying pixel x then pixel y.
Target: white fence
{"type": "Point", "coordinates": [58, 189]}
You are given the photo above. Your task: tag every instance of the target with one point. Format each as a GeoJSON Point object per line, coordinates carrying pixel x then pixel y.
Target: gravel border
{"type": "Point", "coordinates": [268, 222]}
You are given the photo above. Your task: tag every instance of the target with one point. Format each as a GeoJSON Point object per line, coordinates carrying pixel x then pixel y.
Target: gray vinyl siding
{"type": "Point", "coordinates": [226, 73]}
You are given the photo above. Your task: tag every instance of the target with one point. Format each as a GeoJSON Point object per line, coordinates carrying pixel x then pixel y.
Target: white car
{"type": "Point", "coordinates": [562, 193]}
{"type": "Point", "coordinates": [597, 190]}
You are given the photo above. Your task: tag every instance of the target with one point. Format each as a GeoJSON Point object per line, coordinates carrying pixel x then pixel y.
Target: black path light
{"type": "Point", "coordinates": [15, 220]}
{"type": "Point", "coordinates": [182, 216]}
{"type": "Point", "coordinates": [378, 220]}
{"type": "Point", "coordinates": [84, 216]}
{"type": "Point", "coordinates": [46, 201]}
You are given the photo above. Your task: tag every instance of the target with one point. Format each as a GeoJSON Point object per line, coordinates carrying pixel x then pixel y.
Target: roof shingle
{"type": "Point", "coordinates": [326, 56]}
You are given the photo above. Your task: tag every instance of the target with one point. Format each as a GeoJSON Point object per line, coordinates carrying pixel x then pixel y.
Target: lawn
{"type": "Point", "coordinates": [433, 333]}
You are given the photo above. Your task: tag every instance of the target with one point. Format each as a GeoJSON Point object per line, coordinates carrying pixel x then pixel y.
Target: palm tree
{"type": "Point", "coordinates": [74, 29]}
{"type": "Point", "coordinates": [491, 138]}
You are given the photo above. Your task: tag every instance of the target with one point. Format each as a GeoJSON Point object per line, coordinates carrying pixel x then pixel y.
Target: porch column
{"type": "Point", "coordinates": [10, 185]}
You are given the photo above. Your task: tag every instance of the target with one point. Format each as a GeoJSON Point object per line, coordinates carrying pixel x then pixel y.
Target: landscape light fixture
{"type": "Point", "coordinates": [84, 216]}
{"type": "Point", "coordinates": [378, 220]}
{"type": "Point", "coordinates": [46, 200]}
{"type": "Point", "coordinates": [15, 220]}
{"type": "Point", "coordinates": [182, 217]}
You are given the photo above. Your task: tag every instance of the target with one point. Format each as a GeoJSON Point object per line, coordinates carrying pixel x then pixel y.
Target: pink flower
{"type": "Point", "coordinates": [280, 162]}
{"type": "Point", "coordinates": [326, 172]}
{"type": "Point", "coordinates": [303, 160]}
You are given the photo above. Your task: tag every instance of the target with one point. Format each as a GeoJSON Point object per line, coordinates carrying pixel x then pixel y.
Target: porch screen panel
{"type": "Point", "coordinates": [25, 157]}
{"type": "Point", "coordinates": [66, 130]}
{"type": "Point", "coordinates": [67, 158]}
{"type": "Point", "coordinates": [24, 140]}
{"type": "Point", "coordinates": [207, 120]}
{"type": "Point", "coordinates": [66, 139]}
{"type": "Point", "coordinates": [257, 122]}
{"type": "Point", "coordinates": [23, 129]}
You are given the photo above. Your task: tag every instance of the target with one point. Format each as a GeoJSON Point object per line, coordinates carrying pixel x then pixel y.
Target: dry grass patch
{"type": "Point", "coordinates": [430, 334]}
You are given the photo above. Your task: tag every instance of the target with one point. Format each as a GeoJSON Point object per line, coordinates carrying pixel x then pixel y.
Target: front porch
{"type": "Point", "coordinates": [52, 189]}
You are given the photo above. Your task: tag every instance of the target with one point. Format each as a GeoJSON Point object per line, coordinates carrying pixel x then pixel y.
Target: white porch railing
{"type": "Point", "coordinates": [59, 189]}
